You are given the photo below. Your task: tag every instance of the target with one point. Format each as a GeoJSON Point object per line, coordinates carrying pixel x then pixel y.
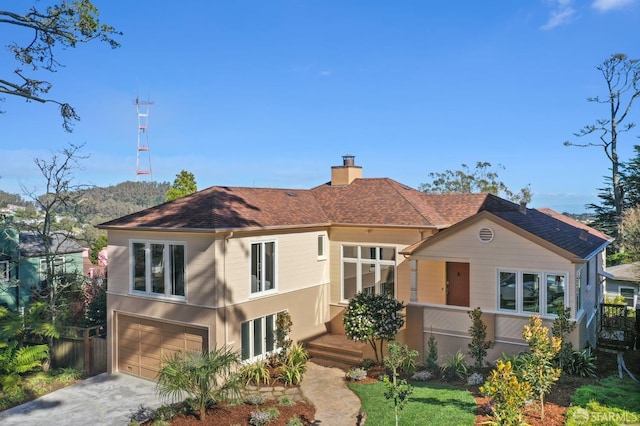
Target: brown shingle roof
{"type": "Point", "coordinates": [222, 208]}
{"type": "Point", "coordinates": [376, 201]}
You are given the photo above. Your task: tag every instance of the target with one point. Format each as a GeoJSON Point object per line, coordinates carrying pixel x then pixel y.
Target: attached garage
{"type": "Point", "coordinates": [143, 343]}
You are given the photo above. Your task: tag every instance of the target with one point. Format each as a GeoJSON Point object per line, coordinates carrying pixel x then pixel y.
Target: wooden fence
{"type": "Point", "coordinates": [82, 349]}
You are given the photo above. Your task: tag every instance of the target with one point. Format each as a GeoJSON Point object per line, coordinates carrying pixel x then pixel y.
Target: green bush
{"type": "Point", "coordinates": [581, 364]}
{"type": "Point", "coordinates": [431, 359]}
{"type": "Point", "coordinates": [508, 394]}
{"type": "Point", "coordinates": [256, 373]}
{"type": "Point", "coordinates": [455, 366]}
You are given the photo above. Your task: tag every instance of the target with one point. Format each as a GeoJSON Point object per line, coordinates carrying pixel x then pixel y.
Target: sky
{"type": "Point", "coordinates": [274, 93]}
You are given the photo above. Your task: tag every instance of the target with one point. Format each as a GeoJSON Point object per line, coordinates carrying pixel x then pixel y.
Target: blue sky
{"type": "Point", "coordinates": [273, 93]}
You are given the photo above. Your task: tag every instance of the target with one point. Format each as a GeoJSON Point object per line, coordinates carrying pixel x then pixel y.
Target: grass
{"type": "Point", "coordinates": [430, 402]}
{"type": "Point", "coordinates": [612, 401]}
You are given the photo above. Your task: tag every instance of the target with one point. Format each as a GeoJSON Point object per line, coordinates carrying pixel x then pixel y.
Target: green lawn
{"type": "Point", "coordinates": [430, 403]}
{"type": "Point", "coordinates": [612, 401]}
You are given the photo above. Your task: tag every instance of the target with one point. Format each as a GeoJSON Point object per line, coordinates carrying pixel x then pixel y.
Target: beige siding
{"type": "Point", "coordinates": [431, 282]}
{"type": "Point", "coordinates": [507, 251]}
{"type": "Point", "coordinates": [298, 265]}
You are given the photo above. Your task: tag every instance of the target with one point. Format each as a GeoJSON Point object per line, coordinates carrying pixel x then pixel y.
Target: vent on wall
{"type": "Point", "coordinates": [485, 235]}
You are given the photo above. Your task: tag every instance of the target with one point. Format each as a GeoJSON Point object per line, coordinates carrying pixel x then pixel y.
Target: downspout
{"type": "Point", "coordinates": [224, 287]}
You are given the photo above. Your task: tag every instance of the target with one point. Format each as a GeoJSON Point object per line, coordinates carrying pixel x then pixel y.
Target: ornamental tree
{"type": "Point", "coordinates": [373, 318]}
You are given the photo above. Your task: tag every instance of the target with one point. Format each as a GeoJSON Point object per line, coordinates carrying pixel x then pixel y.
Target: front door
{"type": "Point", "coordinates": [458, 284]}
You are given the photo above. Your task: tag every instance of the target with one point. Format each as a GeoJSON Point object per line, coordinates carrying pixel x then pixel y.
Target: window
{"type": "Point", "coordinates": [158, 268]}
{"type": "Point", "coordinates": [263, 267]}
{"type": "Point", "coordinates": [525, 292]}
{"type": "Point", "coordinates": [258, 337]}
{"type": "Point", "coordinates": [4, 270]}
{"type": "Point", "coordinates": [321, 254]}
{"type": "Point", "coordinates": [629, 295]}
{"type": "Point", "coordinates": [368, 269]}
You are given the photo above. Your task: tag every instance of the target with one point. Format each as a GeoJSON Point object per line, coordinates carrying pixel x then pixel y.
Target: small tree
{"type": "Point", "coordinates": [374, 318]}
{"type": "Point", "coordinates": [398, 390]}
{"type": "Point", "coordinates": [183, 185]}
{"type": "Point", "coordinates": [561, 328]}
{"type": "Point", "coordinates": [431, 359]}
{"type": "Point", "coordinates": [508, 394]}
{"type": "Point", "coordinates": [479, 344]}
{"type": "Point", "coordinates": [538, 369]}
{"type": "Point", "coordinates": [200, 376]}
{"type": "Point", "coordinates": [282, 333]}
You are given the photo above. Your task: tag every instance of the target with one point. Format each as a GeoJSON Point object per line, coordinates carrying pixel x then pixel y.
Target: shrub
{"type": "Point", "coordinates": [286, 401]}
{"type": "Point", "coordinates": [292, 373]}
{"type": "Point", "coordinates": [259, 418]}
{"type": "Point", "coordinates": [255, 373]}
{"type": "Point", "coordinates": [581, 364]}
{"type": "Point", "coordinates": [421, 376]}
{"type": "Point", "coordinates": [255, 399]}
{"type": "Point", "coordinates": [561, 328]}
{"type": "Point", "coordinates": [475, 379]}
{"type": "Point", "coordinates": [294, 421]}
{"type": "Point", "coordinates": [165, 412]}
{"type": "Point", "coordinates": [297, 355]}
{"type": "Point", "coordinates": [431, 359]}
{"type": "Point", "coordinates": [455, 366]}
{"type": "Point", "coordinates": [283, 331]}
{"type": "Point", "coordinates": [479, 344]}
{"type": "Point", "coordinates": [373, 318]}
{"type": "Point", "coordinates": [508, 394]}
{"type": "Point", "coordinates": [368, 363]}
{"type": "Point", "coordinates": [356, 374]}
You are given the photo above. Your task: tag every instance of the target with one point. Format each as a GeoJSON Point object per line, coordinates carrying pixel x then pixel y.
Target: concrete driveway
{"type": "Point", "coordinates": [106, 399]}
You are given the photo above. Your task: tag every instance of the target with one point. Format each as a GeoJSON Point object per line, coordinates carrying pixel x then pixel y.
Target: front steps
{"type": "Point", "coordinates": [335, 350]}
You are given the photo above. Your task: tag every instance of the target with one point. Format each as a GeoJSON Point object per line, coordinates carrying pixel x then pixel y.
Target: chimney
{"type": "Point", "coordinates": [345, 174]}
{"type": "Point", "coordinates": [584, 234]}
{"type": "Point", "coordinates": [523, 207]}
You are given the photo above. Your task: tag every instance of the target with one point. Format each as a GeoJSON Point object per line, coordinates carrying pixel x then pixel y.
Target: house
{"type": "Point", "coordinates": [216, 267]}
{"type": "Point", "coordinates": [23, 262]}
{"type": "Point", "coordinates": [624, 280]}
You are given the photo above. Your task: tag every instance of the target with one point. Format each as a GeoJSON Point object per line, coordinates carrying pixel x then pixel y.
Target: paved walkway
{"type": "Point", "coordinates": [335, 404]}
{"type": "Point", "coordinates": [113, 399]}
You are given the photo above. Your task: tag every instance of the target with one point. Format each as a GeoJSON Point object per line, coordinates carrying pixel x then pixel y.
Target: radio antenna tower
{"type": "Point", "coordinates": [143, 158]}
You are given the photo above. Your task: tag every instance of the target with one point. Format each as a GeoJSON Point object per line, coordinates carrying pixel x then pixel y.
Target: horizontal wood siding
{"type": "Point", "coordinates": [507, 251]}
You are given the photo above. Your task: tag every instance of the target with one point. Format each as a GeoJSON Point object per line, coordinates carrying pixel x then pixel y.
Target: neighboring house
{"type": "Point", "coordinates": [624, 281]}
{"type": "Point", "coordinates": [216, 267]}
{"type": "Point", "coordinates": [95, 271]}
{"type": "Point", "coordinates": [23, 263]}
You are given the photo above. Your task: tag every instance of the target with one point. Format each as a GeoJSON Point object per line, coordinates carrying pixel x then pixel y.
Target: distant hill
{"type": "Point", "coordinates": [102, 204]}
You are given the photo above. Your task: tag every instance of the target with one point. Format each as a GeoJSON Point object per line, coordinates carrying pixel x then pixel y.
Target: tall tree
{"type": "Point", "coordinates": [183, 185]}
{"type": "Point", "coordinates": [62, 25]}
{"type": "Point", "coordinates": [622, 78]}
{"type": "Point", "coordinates": [60, 193]}
{"type": "Point", "coordinates": [481, 179]}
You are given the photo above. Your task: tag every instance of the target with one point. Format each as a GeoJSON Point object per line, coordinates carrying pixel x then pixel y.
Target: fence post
{"type": "Point", "coordinates": [87, 351]}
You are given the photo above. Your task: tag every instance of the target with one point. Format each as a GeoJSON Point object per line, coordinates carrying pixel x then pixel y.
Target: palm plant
{"type": "Point", "coordinates": [200, 376]}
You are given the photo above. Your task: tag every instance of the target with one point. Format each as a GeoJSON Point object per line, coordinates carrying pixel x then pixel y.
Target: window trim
{"type": "Point", "coordinates": [374, 264]}
{"type": "Point", "coordinates": [274, 289]}
{"type": "Point", "coordinates": [519, 291]}
{"type": "Point", "coordinates": [635, 296]}
{"type": "Point", "coordinates": [6, 271]}
{"type": "Point", "coordinates": [168, 282]}
{"type": "Point", "coordinates": [322, 243]}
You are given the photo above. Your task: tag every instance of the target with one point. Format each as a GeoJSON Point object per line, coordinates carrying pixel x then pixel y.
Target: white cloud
{"type": "Point", "coordinates": [326, 73]}
{"type": "Point", "coordinates": [607, 5]}
{"type": "Point", "coordinates": [561, 13]}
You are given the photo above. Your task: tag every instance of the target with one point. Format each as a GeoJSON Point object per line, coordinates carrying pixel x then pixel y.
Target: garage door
{"type": "Point", "coordinates": [143, 343]}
